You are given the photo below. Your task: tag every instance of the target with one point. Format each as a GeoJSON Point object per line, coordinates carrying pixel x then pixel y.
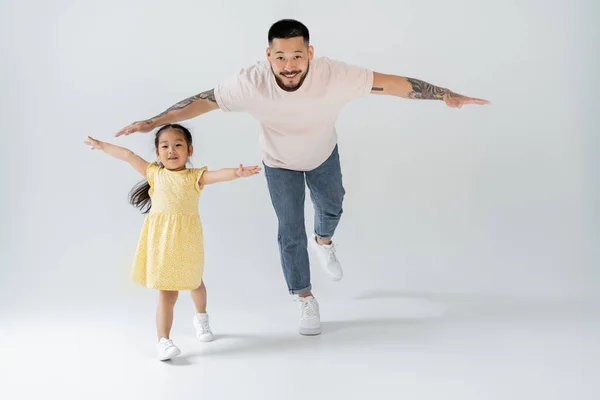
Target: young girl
{"type": "Point", "coordinates": [170, 251]}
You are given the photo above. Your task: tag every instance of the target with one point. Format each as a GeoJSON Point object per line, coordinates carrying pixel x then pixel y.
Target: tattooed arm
{"type": "Point", "coordinates": [410, 88]}
{"type": "Point", "coordinates": [186, 109]}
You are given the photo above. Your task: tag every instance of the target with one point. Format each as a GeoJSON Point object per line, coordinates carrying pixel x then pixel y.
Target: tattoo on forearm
{"type": "Point", "coordinates": [377, 89]}
{"type": "Point", "coordinates": [206, 95]}
{"type": "Point", "coordinates": [425, 91]}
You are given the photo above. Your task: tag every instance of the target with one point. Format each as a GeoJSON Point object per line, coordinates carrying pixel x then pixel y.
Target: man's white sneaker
{"type": "Point", "coordinates": [310, 320]}
{"type": "Point", "coordinates": [203, 332]}
{"type": "Point", "coordinates": [327, 258]}
{"type": "Point", "coordinates": [165, 349]}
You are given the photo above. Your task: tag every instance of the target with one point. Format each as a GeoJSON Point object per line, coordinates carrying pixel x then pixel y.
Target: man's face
{"type": "Point", "coordinates": [289, 59]}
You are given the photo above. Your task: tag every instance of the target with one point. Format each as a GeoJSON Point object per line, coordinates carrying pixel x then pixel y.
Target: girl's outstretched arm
{"type": "Point", "coordinates": [120, 153]}
{"type": "Point", "coordinates": [227, 174]}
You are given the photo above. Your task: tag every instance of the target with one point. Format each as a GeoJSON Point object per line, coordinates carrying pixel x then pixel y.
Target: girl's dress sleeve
{"type": "Point", "coordinates": [151, 172]}
{"type": "Point", "coordinates": [197, 174]}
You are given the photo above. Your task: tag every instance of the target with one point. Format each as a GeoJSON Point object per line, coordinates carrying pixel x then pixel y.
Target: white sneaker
{"type": "Point", "coordinates": [203, 332]}
{"type": "Point", "coordinates": [310, 320]}
{"type": "Point", "coordinates": [327, 258]}
{"type": "Point", "coordinates": [165, 349]}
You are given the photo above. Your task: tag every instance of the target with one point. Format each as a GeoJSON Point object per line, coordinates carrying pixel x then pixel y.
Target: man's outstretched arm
{"type": "Point", "coordinates": [186, 109]}
{"type": "Point", "coordinates": [410, 88]}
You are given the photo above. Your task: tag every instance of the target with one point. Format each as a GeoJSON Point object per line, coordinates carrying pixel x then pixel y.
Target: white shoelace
{"type": "Point", "coordinates": [204, 324]}
{"type": "Point", "coordinates": [308, 308]}
{"type": "Point", "coordinates": [331, 256]}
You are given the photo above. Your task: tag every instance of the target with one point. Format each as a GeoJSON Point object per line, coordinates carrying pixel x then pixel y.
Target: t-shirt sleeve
{"type": "Point", "coordinates": [196, 174]}
{"type": "Point", "coordinates": [234, 93]}
{"type": "Point", "coordinates": [351, 80]}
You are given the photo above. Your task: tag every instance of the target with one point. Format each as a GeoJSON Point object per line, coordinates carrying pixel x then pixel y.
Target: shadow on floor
{"type": "Point", "coordinates": [335, 334]}
{"type": "Point", "coordinates": [368, 332]}
{"type": "Point", "coordinates": [482, 307]}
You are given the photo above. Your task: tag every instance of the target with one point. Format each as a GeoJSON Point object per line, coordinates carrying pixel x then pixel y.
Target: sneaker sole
{"type": "Point", "coordinates": [333, 277]}
{"type": "Point", "coordinates": [309, 331]}
{"type": "Point", "coordinates": [172, 355]}
{"type": "Point", "coordinates": [205, 339]}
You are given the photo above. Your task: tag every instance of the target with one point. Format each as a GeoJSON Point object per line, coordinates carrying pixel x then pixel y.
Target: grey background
{"type": "Point", "coordinates": [500, 200]}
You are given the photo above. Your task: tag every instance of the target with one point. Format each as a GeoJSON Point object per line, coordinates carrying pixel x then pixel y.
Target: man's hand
{"type": "Point", "coordinates": [410, 88]}
{"type": "Point", "coordinates": [138, 126]}
{"type": "Point", "coordinates": [189, 108]}
{"type": "Point", "coordinates": [457, 100]}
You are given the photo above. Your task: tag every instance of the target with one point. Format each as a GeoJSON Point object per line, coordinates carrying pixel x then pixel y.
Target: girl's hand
{"type": "Point", "coordinates": [93, 143]}
{"type": "Point", "coordinates": [244, 172]}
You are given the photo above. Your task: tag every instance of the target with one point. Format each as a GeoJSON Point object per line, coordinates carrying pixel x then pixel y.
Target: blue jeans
{"type": "Point", "coordinates": [287, 191]}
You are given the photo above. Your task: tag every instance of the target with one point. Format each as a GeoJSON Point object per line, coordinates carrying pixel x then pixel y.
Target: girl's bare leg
{"type": "Point", "coordinates": [164, 312]}
{"type": "Point", "coordinates": [199, 298]}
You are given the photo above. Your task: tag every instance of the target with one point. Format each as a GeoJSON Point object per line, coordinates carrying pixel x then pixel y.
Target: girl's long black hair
{"type": "Point", "coordinates": [139, 195]}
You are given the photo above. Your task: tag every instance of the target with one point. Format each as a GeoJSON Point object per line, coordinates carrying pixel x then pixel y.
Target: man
{"type": "Point", "coordinates": [297, 98]}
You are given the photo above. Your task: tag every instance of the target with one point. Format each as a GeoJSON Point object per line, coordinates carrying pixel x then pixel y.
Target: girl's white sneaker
{"type": "Point", "coordinates": [165, 349]}
{"type": "Point", "coordinates": [203, 332]}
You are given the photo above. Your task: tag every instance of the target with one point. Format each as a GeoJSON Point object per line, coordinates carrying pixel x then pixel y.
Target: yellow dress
{"type": "Point", "coordinates": [170, 251]}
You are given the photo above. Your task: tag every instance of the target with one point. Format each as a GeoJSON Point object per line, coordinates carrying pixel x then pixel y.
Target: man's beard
{"type": "Point", "coordinates": [283, 86]}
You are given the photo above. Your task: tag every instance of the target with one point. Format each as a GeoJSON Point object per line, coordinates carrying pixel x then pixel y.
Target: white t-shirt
{"type": "Point", "coordinates": [298, 128]}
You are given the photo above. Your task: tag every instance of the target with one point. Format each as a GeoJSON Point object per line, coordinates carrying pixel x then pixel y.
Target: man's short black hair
{"type": "Point", "coordinates": [288, 28]}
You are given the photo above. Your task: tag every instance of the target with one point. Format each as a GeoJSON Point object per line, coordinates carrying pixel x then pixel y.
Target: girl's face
{"type": "Point", "coordinates": [173, 151]}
